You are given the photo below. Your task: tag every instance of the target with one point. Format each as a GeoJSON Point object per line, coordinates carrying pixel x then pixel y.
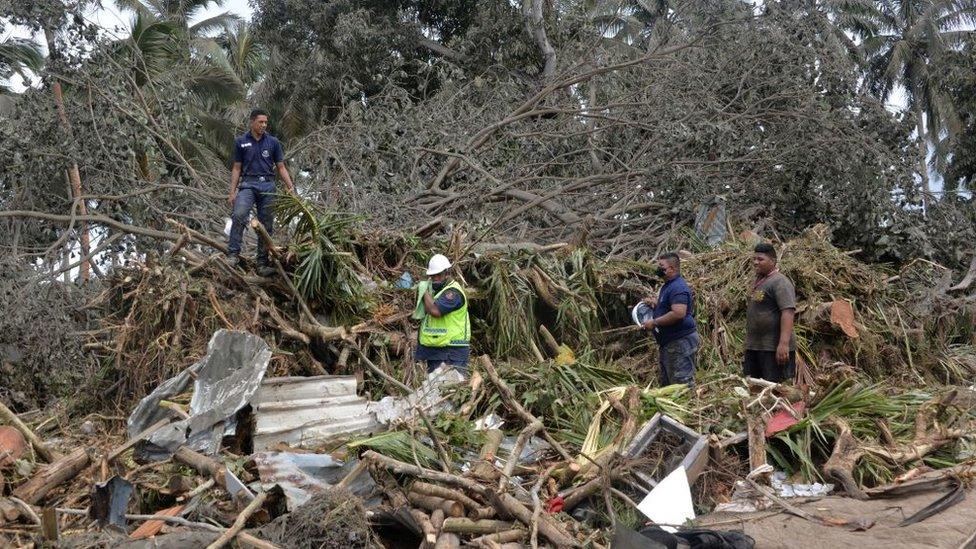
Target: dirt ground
{"type": "Point", "coordinates": [949, 529]}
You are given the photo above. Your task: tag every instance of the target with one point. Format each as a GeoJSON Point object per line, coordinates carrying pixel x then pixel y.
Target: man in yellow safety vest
{"type": "Point", "coordinates": [445, 331]}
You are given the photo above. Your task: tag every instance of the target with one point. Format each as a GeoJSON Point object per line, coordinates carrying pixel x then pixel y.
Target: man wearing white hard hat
{"type": "Point", "coordinates": [445, 331]}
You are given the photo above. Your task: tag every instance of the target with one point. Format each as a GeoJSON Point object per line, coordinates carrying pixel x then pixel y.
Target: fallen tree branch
{"type": "Point", "coordinates": [517, 407]}
{"type": "Point", "coordinates": [859, 523]}
{"type": "Point", "coordinates": [238, 525]}
{"type": "Point", "coordinates": [101, 219]}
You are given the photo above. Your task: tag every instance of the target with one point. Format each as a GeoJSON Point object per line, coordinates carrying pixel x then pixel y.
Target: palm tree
{"type": "Point", "coordinates": [181, 12]}
{"type": "Point", "coordinates": [629, 21]}
{"type": "Point", "coordinates": [17, 56]}
{"type": "Point", "coordinates": [908, 38]}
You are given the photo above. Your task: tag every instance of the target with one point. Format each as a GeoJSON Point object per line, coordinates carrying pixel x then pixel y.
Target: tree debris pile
{"type": "Point", "coordinates": [533, 447]}
{"type": "Point", "coordinates": [333, 518]}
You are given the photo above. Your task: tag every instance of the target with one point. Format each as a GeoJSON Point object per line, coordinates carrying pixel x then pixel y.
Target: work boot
{"type": "Point", "coordinates": [233, 260]}
{"type": "Point", "coordinates": [266, 270]}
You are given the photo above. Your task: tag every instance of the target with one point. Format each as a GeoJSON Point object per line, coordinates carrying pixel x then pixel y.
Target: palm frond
{"type": "Point", "coordinates": [208, 79]}
{"type": "Point", "coordinates": [17, 54]}
{"type": "Point", "coordinates": [220, 21]}
{"type": "Point", "coordinates": [247, 56]}
{"type": "Point", "coordinates": [328, 272]}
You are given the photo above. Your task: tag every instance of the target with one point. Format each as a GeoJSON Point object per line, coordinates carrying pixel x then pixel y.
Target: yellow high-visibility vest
{"type": "Point", "coordinates": [450, 330]}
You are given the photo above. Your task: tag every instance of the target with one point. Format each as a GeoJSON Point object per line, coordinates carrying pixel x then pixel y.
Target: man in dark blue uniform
{"type": "Point", "coordinates": [673, 323]}
{"type": "Point", "coordinates": [258, 156]}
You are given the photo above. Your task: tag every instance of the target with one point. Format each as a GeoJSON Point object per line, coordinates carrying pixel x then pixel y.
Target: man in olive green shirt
{"type": "Point", "coordinates": [770, 345]}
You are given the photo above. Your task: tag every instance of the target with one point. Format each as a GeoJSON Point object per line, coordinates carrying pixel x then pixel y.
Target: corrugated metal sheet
{"type": "Point", "coordinates": [309, 411]}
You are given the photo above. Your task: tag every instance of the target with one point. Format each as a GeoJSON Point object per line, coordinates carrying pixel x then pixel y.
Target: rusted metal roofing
{"type": "Point", "coordinates": [309, 411]}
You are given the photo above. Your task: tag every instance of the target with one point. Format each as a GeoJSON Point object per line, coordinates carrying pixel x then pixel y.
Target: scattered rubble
{"type": "Point", "coordinates": [296, 430]}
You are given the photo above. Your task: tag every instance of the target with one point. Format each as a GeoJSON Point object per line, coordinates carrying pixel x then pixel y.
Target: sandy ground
{"type": "Point", "coordinates": [948, 529]}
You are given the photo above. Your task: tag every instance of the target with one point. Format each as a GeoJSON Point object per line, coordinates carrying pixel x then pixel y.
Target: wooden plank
{"type": "Point", "coordinates": [135, 440]}
{"type": "Point", "coordinates": [150, 528]}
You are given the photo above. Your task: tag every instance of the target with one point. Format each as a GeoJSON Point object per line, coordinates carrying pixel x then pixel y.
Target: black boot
{"type": "Point", "coordinates": [266, 270]}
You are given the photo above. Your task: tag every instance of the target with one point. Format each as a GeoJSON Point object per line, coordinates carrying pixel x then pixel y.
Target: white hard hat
{"type": "Point", "coordinates": [437, 265]}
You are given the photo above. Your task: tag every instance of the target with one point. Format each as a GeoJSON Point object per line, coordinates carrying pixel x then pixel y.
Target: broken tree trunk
{"type": "Point", "coordinates": [62, 470]}
{"type": "Point", "coordinates": [484, 469]}
{"type": "Point", "coordinates": [426, 526]}
{"type": "Point", "coordinates": [468, 526]}
{"type": "Point", "coordinates": [507, 536]}
{"type": "Point", "coordinates": [840, 465]}
{"type": "Point", "coordinates": [206, 466]}
{"type": "Point", "coordinates": [433, 503]}
{"type": "Point", "coordinates": [547, 525]}
{"type": "Point", "coordinates": [428, 489]}
{"type": "Point", "coordinates": [757, 441]}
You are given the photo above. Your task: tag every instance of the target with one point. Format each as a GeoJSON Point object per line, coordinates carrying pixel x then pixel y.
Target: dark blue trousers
{"type": "Point", "coordinates": [678, 360]}
{"type": "Point", "coordinates": [257, 195]}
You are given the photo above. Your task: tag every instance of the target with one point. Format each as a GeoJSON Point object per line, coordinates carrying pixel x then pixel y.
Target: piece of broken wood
{"type": "Point", "coordinates": [485, 468]}
{"type": "Point", "coordinates": [8, 416]}
{"type": "Point", "coordinates": [550, 341]}
{"type": "Point", "coordinates": [239, 523]}
{"type": "Point", "coordinates": [506, 536]}
{"type": "Point", "coordinates": [152, 527]}
{"type": "Point", "coordinates": [450, 508]}
{"type": "Point", "coordinates": [53, 475]}
{"type": "Point", "coordinates": [426, 527]}
{"type": "Point", "coordinates": [428, 489]}
{"type": "Point", "coordinates": [547, 525]}
{"type": "Point", "coordinates": [206, 466]}
{"type": "Point", "coordinates": [49, 525]}
{"type": "Point", "coordinates": [468, 526]}
{"type": "Point", "coordinates": [523, 437]}
{"type": "Point", "coordinates": [148, 431]}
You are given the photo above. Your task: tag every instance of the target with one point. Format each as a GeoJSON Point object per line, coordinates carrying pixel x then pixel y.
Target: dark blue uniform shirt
{"type": "Point", "coordinates": [674, 291]}
{"type": "Point", "coordinates": [258, 156]}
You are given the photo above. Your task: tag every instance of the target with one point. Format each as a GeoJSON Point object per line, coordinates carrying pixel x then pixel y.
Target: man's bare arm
{"type": "Point", "coordinates": [235, 178]}
{"type": "Point", "coordinates": [286, 177]}
{"type": "Point", "coordinates": [675, 315]}
{"type": "Point", "coordinates": [786, 318]}
{"type": "Point", "coordinates": [430, 306]}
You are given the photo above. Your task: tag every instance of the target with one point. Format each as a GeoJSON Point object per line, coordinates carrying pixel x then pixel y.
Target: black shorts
{"type": "Point", "coordinates": [762, 364]}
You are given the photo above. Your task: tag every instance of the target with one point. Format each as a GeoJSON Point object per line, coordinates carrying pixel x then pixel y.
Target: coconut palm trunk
{"type": "Point", "coordinates": [74, 175]}
{"type": "Point", "coordinates": [923, 155]}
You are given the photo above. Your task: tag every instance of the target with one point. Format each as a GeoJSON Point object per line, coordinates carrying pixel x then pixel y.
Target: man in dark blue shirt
{"type": "Point", "coordinates": [258, 156]}
{"type": "Point", "coordinates": [673, 323]}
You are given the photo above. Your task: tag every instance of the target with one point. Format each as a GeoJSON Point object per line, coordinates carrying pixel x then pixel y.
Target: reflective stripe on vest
{"type": "Point", "coordinates": [450, 330]}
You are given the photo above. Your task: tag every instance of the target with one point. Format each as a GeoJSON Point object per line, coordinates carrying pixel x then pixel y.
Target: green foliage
{"type": "Point", "coordinates": [566, 396]}
{"type": "Point", "coordinates": [811, 439]}
{"type": "Point", "coordinates": [511, 315]}
{"type": "Point", "coordinates": [399, 445]}
{"type": "Point", "coordinates": [328, 271]}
